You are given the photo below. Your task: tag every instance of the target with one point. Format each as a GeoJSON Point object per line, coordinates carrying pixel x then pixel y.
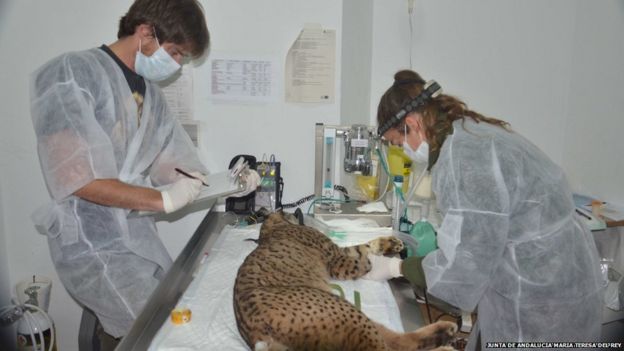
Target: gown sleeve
{"type": "Point", "coordinates": [471, 192]}
{"type": "Point", "coordinates": [73, 148]}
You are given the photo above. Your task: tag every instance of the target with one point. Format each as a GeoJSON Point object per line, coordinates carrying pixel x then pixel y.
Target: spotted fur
{"type": "Point", "coordinates": [283, 301]}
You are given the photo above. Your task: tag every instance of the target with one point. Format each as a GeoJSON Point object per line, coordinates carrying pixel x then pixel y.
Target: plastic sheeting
{"type": "Point", "coordinates": [510, 240]}
{"type": "Point", "coordinates": [86, 121]}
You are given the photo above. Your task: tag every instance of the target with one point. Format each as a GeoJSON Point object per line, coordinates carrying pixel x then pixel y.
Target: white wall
{"type": "Point", "coordinates": [4, 260]}
{"type": "Point", "coordinates": [506, 59]}
{"type": "Point", "coordinates": [357, 47]}
{"type": "Point", "coordinates": [5, 279]}
{"type": "Point", "coordinates": [248, 27]}
{"type": "Point", "coordinates": [553, 69]}
{"type": "Point", "coordinates": [595, 118]}
{"type": "Point", "coordinates": [5, 294]}
{"type": "Point", "coordinates": [32, 32]}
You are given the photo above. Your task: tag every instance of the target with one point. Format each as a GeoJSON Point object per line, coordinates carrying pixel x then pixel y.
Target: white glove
{"type": "Point", "coordinates": [180, 194]}
{"type": "Point", "coordinates": [250, 180]}
{"type": "Point", "coordinates": [383, 268]}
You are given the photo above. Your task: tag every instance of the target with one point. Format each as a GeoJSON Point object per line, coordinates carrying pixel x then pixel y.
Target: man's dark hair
{"type": "Point", "coordinates": [180, 22]}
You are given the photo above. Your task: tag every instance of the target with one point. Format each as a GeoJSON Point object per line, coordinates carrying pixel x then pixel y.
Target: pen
{"type": "Point", "coordinates": [582, 214]}
{"type": "Point", "coordinates": [190, 176]}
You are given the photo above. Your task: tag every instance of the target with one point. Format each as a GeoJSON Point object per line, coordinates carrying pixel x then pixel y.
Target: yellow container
{"type": "Point", "coordinates": [368, 186]}
{"type": "Point", "coordinates": [399, 164]}
{"type": "Point", "coordinates": [180, 316]}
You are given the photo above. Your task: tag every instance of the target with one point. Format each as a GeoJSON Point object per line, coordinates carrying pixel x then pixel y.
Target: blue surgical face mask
{"type": "Point", "coordinates": [420, 155]}
{"type": "Point", "coordinates": [157, 67]}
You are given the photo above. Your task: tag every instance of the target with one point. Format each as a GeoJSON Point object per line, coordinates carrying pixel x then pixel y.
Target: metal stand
{"type": "Point", "coordinates": [87, 335]}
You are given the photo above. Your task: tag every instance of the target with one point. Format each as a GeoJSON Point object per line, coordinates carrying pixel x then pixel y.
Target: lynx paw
{"type": "Point", "coordinates": [386, 245]}
{"type": "Point", "coordinates": [444, 332]}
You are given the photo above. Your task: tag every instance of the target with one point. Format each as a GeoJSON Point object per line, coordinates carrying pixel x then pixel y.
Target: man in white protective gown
{"type": "Point", "coordinates": [510, 243]}
{"type": "Point", "coordinates": [107, 144]}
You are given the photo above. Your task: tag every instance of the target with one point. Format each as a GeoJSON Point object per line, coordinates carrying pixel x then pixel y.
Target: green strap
{"type": "Point", "coordinates": [357, 299]}
{"type": "Point", "coordinates": [337, 235]}
{"type": "Point", "coordinates": [339, 289]}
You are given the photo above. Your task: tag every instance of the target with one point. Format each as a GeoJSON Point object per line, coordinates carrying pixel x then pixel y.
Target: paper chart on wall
{"type": "Point", "coordinates": [178, 92]}
{"type": "Point", "coordinates": [311, 65]}
{"type": "Point", "coordinates": [237, 78]}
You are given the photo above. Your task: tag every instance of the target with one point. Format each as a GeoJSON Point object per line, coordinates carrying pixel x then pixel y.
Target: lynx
{"type": "Point", "coordinates": [283, 301]}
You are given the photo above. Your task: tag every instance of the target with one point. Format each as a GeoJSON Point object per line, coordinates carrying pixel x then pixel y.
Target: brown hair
{"type": "Point", "coordinates": [438, 113]}
{"type": "Point", "coordinates": [180, 22]}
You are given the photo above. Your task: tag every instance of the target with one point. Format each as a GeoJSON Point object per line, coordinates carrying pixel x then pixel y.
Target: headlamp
{"type": "Point", "coordinates": [432, 89]}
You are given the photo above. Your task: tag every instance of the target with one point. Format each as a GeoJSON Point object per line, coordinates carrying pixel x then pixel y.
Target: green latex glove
{"type": "Point", "coordinates": [424, 233]}
{"type": "Point", "coordinates": [412, 270]}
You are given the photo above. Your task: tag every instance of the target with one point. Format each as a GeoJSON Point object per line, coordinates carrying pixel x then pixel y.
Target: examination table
{"type": "Point", "coordinates": [191, 283]}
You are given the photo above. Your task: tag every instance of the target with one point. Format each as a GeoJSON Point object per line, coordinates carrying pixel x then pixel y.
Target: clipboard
{"type": "Point", "coordinates": [219, 185]}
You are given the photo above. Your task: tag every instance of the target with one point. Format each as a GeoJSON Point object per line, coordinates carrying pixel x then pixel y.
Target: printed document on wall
{"type": "Point", "coordinates": [311, 65]}
{"type": "Point", "coordinates": [236, 78]}
{"type": "Point", "coordinates": [178, 92]}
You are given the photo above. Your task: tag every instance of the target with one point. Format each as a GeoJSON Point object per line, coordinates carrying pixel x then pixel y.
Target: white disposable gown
{"type": "Point", "coordinates": [510, 241]}
{"type": "Point", "coordinates": [87, 126]}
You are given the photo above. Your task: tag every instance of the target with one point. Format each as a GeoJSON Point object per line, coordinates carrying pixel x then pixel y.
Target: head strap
{"type": "Point", "coordinates": [432, 89]}
{"type": "Point", "coordinates": [407, 81]}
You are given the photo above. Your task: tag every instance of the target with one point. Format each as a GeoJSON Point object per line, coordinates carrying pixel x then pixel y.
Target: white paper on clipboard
{"type": "Point", "coordinates": [219, 185]}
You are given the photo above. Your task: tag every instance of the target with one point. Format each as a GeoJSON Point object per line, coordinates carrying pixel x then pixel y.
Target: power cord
{"type": "Point", "coordinates": [310, 197]}
{"type": "Point", "coordinates": [299, 202]}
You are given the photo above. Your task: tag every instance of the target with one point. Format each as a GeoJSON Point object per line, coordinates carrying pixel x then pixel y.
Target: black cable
{"type": "Point", "coordinates": [343, 190]}
{"type": "Point", "coordinates": [428, 308]}
{"type": "Point", "coordinates": [303, 200]}
{"type": "Point", "coordinates": [299, 202]}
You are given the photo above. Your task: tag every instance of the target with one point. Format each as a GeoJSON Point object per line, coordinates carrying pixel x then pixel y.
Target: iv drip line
{"type": "Point", "coordinates": [410, 13]}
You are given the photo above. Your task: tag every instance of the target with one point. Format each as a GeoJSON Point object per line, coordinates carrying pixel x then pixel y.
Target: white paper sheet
{"type": "Point", "coordinates": [236, 78]}
{"type": "Point", "coordinates": [178, 93]}
{"type": "Point", "coordinates": [311, 65]}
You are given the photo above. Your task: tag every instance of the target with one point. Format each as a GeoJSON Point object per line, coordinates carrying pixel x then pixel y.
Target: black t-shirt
{"type": "Point", "coordinates": [135, 81]}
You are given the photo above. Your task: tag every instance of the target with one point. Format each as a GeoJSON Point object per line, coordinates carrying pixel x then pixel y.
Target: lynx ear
{"type": "Point", "coordinates": [290, 218]}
